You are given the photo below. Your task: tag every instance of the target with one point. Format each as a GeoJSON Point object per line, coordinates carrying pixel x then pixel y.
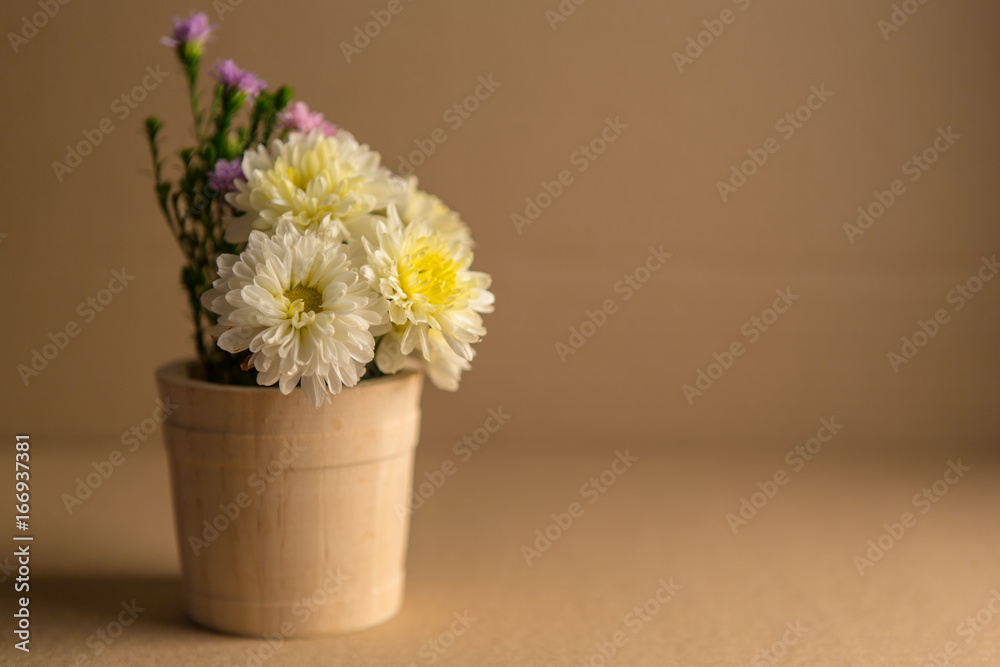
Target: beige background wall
{"type": "Point", "coordinates": [655, 185]}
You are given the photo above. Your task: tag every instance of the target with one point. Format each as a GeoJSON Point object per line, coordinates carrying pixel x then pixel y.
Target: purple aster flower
{"type": "Point", "coordinates": [232, 77]}
{"type": "Point", "coordinates": [224, 175]}
{"type": "Point", "coordinates": [192, 30]}
{"type": "Point", "coordinates": [297, 117]}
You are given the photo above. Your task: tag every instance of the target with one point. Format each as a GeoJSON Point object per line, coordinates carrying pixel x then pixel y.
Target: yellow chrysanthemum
{"type": "Point", "coordinates": [316, 182]}
{"type": "Point", "coordinates": [434, 300]}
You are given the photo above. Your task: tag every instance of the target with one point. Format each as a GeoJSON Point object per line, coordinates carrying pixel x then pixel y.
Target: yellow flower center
{"type": "Point", "coordinates": [303, 299]}
{"type": "Point", "coordinates": [431, 273]}
{"type": "Point", "coordinates": [300, 180]}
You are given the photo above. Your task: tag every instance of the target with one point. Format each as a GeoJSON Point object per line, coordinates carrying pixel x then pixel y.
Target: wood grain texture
{"type": "Point", "coordinates": [289, 518]}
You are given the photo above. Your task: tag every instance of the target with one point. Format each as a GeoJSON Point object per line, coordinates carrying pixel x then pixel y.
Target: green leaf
{"type": "Point", "coordinates": [153, 127]}
{"type": "Point", "coordinates": [282, 97]}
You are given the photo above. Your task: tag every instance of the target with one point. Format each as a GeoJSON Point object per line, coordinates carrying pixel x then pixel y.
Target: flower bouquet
{"type": "Point", "coordinates": [307, 264]}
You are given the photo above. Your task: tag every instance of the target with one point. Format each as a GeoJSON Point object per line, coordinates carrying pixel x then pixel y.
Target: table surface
{"type": "Point", "coordinates": [784, 589]}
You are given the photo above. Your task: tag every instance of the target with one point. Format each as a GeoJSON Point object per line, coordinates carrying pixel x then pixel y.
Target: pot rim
{"type": "Point", "coordinates": [177, 372]}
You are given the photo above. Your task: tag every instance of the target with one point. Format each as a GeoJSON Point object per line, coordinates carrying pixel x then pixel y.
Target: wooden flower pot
{"type": "Point", "coordinates": [289, 517]}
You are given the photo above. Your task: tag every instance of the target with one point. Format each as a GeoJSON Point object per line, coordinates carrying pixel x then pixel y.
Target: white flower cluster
{"type": "Point", "coordinates": [344, 263]}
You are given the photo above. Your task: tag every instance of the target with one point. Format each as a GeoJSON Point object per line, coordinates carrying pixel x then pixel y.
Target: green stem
{"type": "Point", "coordinates": [194, 299]}
{"type": "Point", "coordinates": [191, 70]}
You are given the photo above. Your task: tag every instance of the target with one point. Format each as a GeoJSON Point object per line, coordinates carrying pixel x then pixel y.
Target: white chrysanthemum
{"type": "Point", "coordinates": [316, 182]}
{"type": "Point", "coordinates": [417, 205]}
{"type": "Point", "coordinates": [297, 304]}
{"type": "Point", "coordinates": [425, 279]}
{"type": "Point", "coordinates": [443, 366]}
{"type": "Point", "coordinates": [440, 218]}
